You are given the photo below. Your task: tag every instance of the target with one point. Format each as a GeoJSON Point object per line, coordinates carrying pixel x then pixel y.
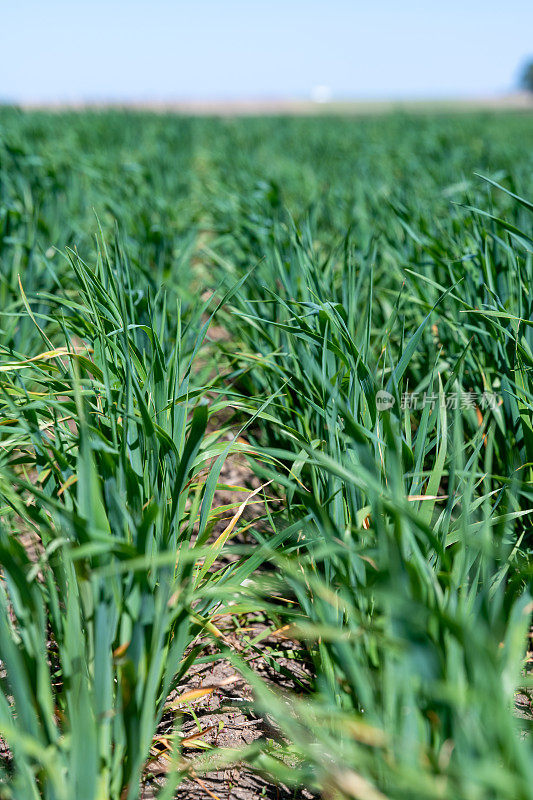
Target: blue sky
{"type": "Point", "coordinates": [54, 50]}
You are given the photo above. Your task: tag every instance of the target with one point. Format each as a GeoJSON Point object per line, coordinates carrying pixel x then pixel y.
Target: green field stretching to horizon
{"type": "Point", "coordinates": [266, 456]}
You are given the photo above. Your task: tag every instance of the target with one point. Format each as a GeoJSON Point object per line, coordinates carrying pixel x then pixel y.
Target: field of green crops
{"type": "Point", "coordinates": [343, 309]}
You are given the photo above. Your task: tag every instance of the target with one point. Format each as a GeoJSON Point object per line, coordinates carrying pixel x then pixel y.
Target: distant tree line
{"type": "Point", "coordinates": [526, 79]}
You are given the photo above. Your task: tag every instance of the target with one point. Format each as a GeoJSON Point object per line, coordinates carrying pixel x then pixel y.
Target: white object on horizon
{"type": "Point", "coordinates": [321, 94]}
